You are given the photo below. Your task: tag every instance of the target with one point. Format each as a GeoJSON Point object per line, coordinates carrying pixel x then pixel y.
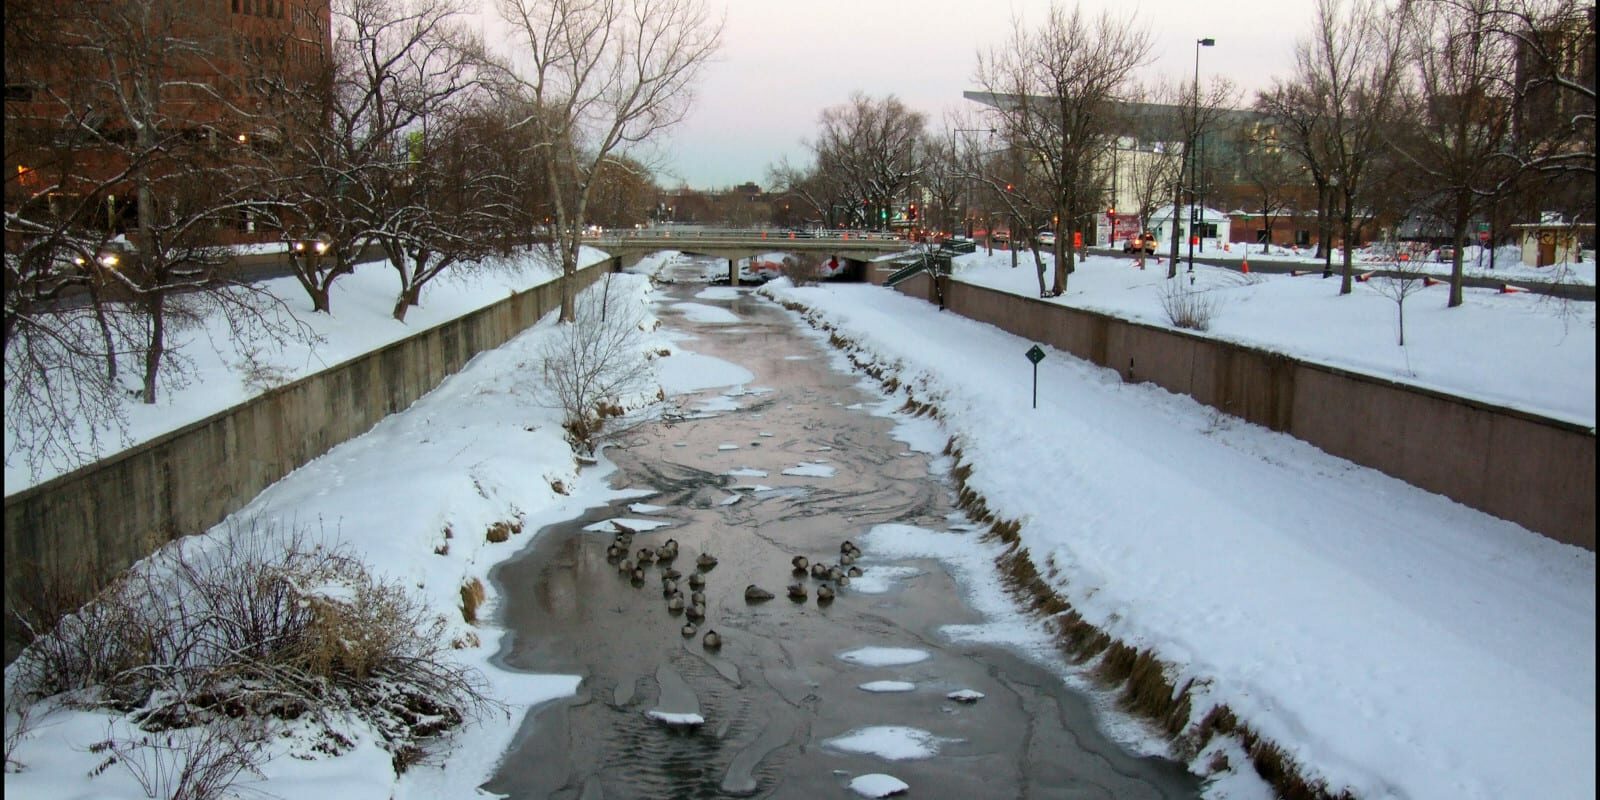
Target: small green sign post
{"type": "Point", "coordinates": [1036, 354]}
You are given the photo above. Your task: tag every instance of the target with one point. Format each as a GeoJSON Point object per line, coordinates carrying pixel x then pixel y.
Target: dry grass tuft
{"type": "Point", "coordinates": [472, 597]}
{"type": "Point", "coordinates": [499, 532]}
{"type": "Point", "coordinates": [558, 486]}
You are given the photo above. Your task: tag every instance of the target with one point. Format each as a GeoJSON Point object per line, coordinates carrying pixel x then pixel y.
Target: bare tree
{"type": "Point", "coordinates": [1350, 68]}
{"type": "Point", "coordinates": [1054, 85]}
{"type": "Point", "coordinates": [1459, 150]}
{"type": "Point", "coordinates": [1403, 276]}
{"type": "Point", "coordinates": [872, 149]}
{"type": "Point", "coordinates": [601, 76]}
{"type": "Point", "coordinates": [594, 368]}
{"type": "Point", "coordinates": [1201, 110]}
{"type": "Point", "coordinates": [1303, 130]}
{"type": "Point", "coordinates": [1268, 170]}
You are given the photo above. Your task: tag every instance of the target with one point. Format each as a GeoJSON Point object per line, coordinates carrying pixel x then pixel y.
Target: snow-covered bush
{"type": "Point", "coordinates": [257, 623]}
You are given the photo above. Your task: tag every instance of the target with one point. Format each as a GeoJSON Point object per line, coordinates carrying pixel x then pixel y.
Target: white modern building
{"type": "Point", "coordinates": [1213, 226]}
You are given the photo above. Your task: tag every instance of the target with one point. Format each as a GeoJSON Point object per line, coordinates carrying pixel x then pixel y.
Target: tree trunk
{"type": "Point", "coordinates": [1347, 219]}
{"type": "Point", "coordinates": [156, 346]}
{"type": "Point", "coordinates": [1458, 234]}
{"type": "Point", "coordinates": [1172, 259]}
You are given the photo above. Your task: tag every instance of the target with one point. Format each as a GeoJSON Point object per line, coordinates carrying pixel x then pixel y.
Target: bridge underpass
{"type": "Point", "coordinates": [854, 249]}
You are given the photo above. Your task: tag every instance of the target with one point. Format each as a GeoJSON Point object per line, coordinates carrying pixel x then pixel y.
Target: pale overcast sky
{"type": "Point", "coordinates": [783, 61]}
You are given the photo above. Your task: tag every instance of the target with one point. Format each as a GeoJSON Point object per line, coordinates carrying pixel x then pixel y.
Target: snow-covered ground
{"type": "Point", "coordinates": [1392, 641]}
{"type": "Point", "coordinates": [1506, 263]}
{"type": "Point", "coordinates": [1523, 350]}
{"type": "Point", "coordinates": [362, 302]}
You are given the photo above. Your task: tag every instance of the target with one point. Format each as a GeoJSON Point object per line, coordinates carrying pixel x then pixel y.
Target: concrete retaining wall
{"type": "Point", "coordinates": [1532, 470]}
{"type": "Point", "coordinates": [91, 524]}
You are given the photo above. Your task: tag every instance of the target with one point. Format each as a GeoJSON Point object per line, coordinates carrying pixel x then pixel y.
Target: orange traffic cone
{"type": "Point", "coordinates": [1244, 266]}
{"type": "Point", "coordinates": [1295, 273]}
{"type": "Point", "coordinates": [1428, 280]}
{"type": "Point", "coordinates": [1363, 277]}
{"type": "Point", "coordinates": [1507, 288]}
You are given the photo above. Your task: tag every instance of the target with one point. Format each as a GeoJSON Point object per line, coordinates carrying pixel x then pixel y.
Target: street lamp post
{"type": "Point", "coordinates": [1194, 134]}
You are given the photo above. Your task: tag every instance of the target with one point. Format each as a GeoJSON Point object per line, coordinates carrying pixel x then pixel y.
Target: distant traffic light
{"type": "Point", "coordinates": [1111, 212]}
{"type": "Point", "coordinates": [912, 214]}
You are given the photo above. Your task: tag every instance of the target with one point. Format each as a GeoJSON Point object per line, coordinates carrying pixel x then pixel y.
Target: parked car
{"type": "Point", "coordinates": [1445, 253]}
{"type": "Point", "coordinates": [1047, 238]}
{"type": "Point", "coordinates": [1140, 241]}
{"type": "Point", "coordinates": [1000, 237]}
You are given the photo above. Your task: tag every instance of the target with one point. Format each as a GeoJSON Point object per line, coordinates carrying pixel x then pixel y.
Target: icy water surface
{"type": "Point", "coordinates": [802, 696]}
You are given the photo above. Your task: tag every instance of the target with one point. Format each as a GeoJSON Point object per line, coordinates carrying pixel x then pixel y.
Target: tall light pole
{"type": "Point", "coordinates": [1194, 134]}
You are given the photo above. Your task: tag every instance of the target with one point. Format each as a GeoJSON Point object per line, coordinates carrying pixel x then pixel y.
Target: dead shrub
{"type": "Point", "coordinates": [1187, 307]}
{"type": "Point", "coordinates": [802, 269]}
{"type": "Point", "coordinates": [255, 622]}
{"type": "Point", "coordinates": [472, 596]}
{"type": "Point", "coordinates": [201, 763]}
{"type": "Point", "coordinates": [498, 532]}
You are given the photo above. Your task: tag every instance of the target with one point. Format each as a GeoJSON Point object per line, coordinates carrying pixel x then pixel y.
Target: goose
{"type": "Point", "coordinates": [848, 547]}
{"type": "Point", "coordinates": [695, 612]}
{"type": "Point", "coordinates": [819, 571]}
{"type": "Point", "coordinates": [797, 591]}
{"type": "Point", "coordinates": [756, 594]}
{"type": "Point", "coordinates": [843, 581]}
{"type": "Point", "coordinates": [688, 630]}
{"type": "Point", "coordinates": [613, 552]}
{"type": "Point", "coordinates": [824, 594]}
{"type": "Point", "coordinates": [671, 574]}
{"type": "Point", "coordinates": [697, 581]}
{"type": "Point", "coordinates": [846, 560]}
{"type": "Point", "coordinates": [705, 561]}
{"type": "Point", "coordinates": [669, 587]}
{"type": "Point", "coordinates": [638, 575]}
{"type": "Point", "coordinates": [834, 573]}
{"type": "Point", "coordinates": [669, 546]}
{"type": "Point", "coordinates": [712, 641]}
{"type": "Point", "coordinates": [646, 555]}
{"type": "Point", "coordinates": [697, 597]}
{"type": "Point", "coordinates": [675, 603]}
{"type": "Point", "coordinates": [854, 572]}
{"type": "Point", "coordinates": [800, 564]}
{"type": "Point", "coordinates": [626, 567]}
{"type": "Point", "coordinates": [667, 552]}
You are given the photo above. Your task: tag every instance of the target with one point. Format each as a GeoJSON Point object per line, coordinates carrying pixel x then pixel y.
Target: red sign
{"type": "Point", "coordinates": [1124, 226]}
{"type": "Point", "coordinates": [1077, 240]}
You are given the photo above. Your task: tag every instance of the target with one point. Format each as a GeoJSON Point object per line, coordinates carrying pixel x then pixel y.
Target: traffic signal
{"type": "Point", "coordinates": [1111, 212]}
{"type": "Point", "coordinates": [912, 215]}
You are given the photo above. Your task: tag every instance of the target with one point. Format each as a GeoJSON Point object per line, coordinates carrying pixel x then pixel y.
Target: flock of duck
{"type": "Point", "coordinates": [633, 563]}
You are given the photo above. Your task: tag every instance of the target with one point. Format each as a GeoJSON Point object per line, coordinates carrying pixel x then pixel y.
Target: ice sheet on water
{"type": "Point", "coordinates": [884, 656]}
{"type": "Point", "coordinates": [646, 508]}
{"type": "Point", "coordinates": [675, 720]}
{"type": "Point", "coordinates": [886, 687]}
{"type": "Point", "coordinates": [877, 784]}
{"type": "Point", "coordinates": [881, 579]}
{"type": "Point", "coordinates": [747, 472]}
{"type": "Point", "coordinates": [811, 469]}
{"type": "Point", "coordinates": [634, 524]}
{"type": "Point", "coordinates": [889, 742]}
